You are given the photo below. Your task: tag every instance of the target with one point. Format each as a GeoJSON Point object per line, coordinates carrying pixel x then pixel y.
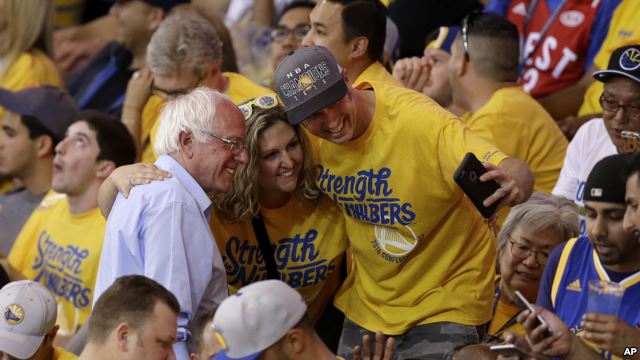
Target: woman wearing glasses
{"type": "Point", "coordinates": [275, 222]}
{"type": "Point", "coordinates": [529, 234]}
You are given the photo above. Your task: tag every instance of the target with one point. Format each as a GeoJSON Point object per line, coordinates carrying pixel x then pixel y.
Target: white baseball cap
{"type": "Point", "coordinates": [29, 313]}
{"type": "Point", "coordinates": [255, 318]}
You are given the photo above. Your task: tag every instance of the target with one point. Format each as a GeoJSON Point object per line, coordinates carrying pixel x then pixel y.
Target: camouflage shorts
{"type": "Point", "coordinates": [430, 341]}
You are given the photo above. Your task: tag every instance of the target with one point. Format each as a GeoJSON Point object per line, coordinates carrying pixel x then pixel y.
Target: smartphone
{"type": "Point", "coordinates": [525, 303]}
{"type": "Point", "coordinates": [631, 141]}
{"type": "Point", "coordinates": [467, 176]}
{"type": "Point", "coordinates": [509, 350]}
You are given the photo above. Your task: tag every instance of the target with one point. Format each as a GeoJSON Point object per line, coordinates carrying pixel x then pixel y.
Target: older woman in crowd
{"type": "Point", "coordinates": [530, 233]}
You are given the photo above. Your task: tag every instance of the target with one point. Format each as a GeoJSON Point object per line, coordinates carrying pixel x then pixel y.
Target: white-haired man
{"type": "Point", "coordinates": [162, 231]}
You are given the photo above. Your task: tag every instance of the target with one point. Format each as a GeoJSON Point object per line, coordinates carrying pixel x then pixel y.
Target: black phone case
{"type": "Point", "coordinates": [467, 176]}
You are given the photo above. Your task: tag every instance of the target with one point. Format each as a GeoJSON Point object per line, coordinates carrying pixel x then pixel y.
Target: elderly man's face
{"type": "Point", "coordinates": [180, 83]}
{"type": "Point", "coordinates": [625, 92]}
{"type": "Point", "coordinates": [213, 162]}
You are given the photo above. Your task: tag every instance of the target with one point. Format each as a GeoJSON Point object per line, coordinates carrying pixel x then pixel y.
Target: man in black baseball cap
{"type": "Point", "coordinates": [603, 136]}
{"type": "Point", "coordinates": [387, 156]}
{"type": "Point", "coordinates": [35, 120]}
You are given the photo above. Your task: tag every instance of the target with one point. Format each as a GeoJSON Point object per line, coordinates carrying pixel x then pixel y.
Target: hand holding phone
{"type": "Point", "coordinates": [523, 302]}
{"type": "Point", "coordinates": [467, 176]}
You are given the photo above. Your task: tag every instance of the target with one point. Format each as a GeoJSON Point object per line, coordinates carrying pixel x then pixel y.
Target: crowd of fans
{"type": "Point", "coordinates": [274, 179]}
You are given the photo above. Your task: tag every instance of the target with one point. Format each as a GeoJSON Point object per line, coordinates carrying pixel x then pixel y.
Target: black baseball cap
{"type": "Point", "coordinates": [308, 80]}
{"type": "Point", "coordinates": [606, 182]}
{"type": "Point", "coordinates": [625, 61]}
{"type": "Point", "coordinates": [52, 106]}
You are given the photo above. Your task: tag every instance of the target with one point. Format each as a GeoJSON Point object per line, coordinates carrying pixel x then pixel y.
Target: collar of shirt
{"type": "Point", "coordinates": [170, 164]}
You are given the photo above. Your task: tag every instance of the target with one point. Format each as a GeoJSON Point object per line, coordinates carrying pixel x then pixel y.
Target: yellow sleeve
{"type": "Point", "coordinates": [455, 141]}
{"type": "Point", "coordinates": [26, 239]}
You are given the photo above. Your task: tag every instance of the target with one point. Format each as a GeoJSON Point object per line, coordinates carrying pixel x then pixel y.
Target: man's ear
{"type": "Point", "coordinates": [104, 168]}
{"type": "Point", "coordinates": [359, 47]}
{"type": "Point", "coordinates": [123, 333]}
{"type": "Point", "coordinates": [154, 18]}
{"type": "Point", "coordinates": [215, 70]}
{"type": "Point", "coordinates": [294, 343]}
{"type": "Point", "coordinates": [44, 146]}
{"type": "Point", "coordinates": [52, 334]}
{"type": "Point", "coordinates": [187, 141]}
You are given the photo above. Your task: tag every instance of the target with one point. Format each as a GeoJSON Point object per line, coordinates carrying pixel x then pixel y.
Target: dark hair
{"type": "Point", "coordinates": [36, 129]}
{"type": "Point", "coordinates": [631, 166]}
{"type": "Point", "coordinates": [196, 327]}
{"type": "Point", "coordinates": [497, 56]}
{"type": "Point", "coordinates": [114, 140]}
{"type": "Point", "coordinates": [130, 299]}
{"type": "Point", "coordinates": [294, 5]}
{"type": "Point", "coordinates": [366, 18]}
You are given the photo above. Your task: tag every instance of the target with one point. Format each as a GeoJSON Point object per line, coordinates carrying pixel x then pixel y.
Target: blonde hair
{"type": "Point", "coordinates": [28, 26]}
{"type": "Point", "coordinates": [242, 202]}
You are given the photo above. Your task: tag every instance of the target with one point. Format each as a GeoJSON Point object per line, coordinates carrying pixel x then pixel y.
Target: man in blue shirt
{"type": "Point", "coordinates": [162, 229]}
{"type": "Point", "coordinates": [610, 253]}
{"type": "Point", "coordinates": [101, 85]}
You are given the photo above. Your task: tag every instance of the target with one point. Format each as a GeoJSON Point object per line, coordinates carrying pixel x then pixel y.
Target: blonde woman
{"type": "Point", "coordinates": [276, 188]}
{"type": "Point", "coordinates": [26, 44]}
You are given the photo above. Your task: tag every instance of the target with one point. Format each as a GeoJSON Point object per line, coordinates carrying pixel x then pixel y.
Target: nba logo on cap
{"type": "Point", "coordinates": [596, 192]}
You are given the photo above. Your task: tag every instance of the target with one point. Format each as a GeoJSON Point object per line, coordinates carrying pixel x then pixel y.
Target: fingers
{"type": "Point", "coordinates": [356, 352]}
{"type": "Point", "coordinates": [379, 346]}
{"type": "Point", "coordinates": [508, 194]}
{"type": "Point", "coordinates": [389, 348]}
{"type": "Point", "coordinates": [413, 72]}
{"type": "Point", "coordinates": [367, 347]}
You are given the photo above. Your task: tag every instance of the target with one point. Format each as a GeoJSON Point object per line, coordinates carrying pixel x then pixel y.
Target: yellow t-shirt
{"type": "Point", "coordinates": [502, 314]}
{"type": "Point", "coordinates": [520, 127]}
{"type": "Point", "coordinates": [376, 72]}
{"type": "Point", "coordinates": [240, 89]}
{"type": "Point", "coordinates": [422, 252]}
{"type": "Point", "coordinates": [30, 68]}
{"type": "Point", "coordinates": [61, 251]}
{"type": "Point", "coordinates": [623, 31]}
{"type": "Point", "coordinates": [309, 239]}
{"type": "Point", "coordinates": [62, 354]}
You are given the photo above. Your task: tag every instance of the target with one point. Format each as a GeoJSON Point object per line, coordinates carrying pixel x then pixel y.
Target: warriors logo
{"type": "Point", "coordinates": [305, 82]}
{"type": "Point", "coordinates": [396, 242]}
{"type": "Point", "coordinates": [13, 314]}
{"type": "Point", "coordinates": [630, 59]}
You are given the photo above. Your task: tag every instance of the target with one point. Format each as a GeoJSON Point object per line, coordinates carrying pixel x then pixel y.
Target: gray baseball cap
{"type": "Point", "coordinates": [308, 80]}
{"type": "Point", "coordinates": [29, 313]}
{"type": "Point", "coordinates": [52, 106]}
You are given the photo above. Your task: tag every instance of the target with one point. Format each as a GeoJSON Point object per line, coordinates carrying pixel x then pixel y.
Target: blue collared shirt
{"type": "Point", "coordinates": [162, 231]}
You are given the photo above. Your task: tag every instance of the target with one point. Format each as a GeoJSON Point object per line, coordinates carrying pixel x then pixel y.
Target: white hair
{"type": "Point", "coordinates": [192, 113]}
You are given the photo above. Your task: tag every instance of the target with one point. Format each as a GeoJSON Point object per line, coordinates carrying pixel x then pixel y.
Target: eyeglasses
{"type": "Point", "coordinates": [173, 93]}
{"type": "Point", "coordinates": [264, 102]}
{"type": "Point", "coordinates": [523, 251]}
{"type": "Point", "coordinates": [278, 34]}
{"type": "Point", "coordinates": [235, 146]}
{"type": "Point", "coordinates": [466, 22]}
{"type": "Point", "coordinates": [612, 106]}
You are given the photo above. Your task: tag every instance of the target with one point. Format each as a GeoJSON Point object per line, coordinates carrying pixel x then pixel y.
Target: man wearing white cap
{"type": "Point", "coordinates": [28, 325]}
{"type": "Point", "coordinates": [267, 320]}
